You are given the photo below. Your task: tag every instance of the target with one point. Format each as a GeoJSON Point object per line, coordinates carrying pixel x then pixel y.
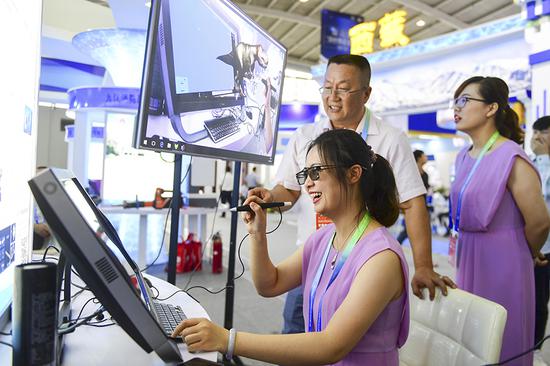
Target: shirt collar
{"type": "Point", "coordinates": [373, 124]}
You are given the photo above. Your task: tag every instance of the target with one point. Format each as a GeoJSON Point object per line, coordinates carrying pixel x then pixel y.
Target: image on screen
{"type": "Point", "coordinates": [212, 83]}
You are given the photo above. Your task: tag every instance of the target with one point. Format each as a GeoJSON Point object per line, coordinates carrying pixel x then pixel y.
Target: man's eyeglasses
{"type": "Point", "coordinates": [312, 172]}
{"type": "Point", "coordinates": [460, 102]}
{"type": "Point", "coordinates": [339, 92]}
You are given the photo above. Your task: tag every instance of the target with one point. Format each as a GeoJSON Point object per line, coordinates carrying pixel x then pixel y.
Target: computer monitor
{"type": "Point", "coordinates": [85, 237]}
{"type": "Point", "coordinates": [212, 83]}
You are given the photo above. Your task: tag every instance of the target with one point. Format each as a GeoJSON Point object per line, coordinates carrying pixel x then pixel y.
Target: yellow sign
{"type": "Point", "coordinates": [362, 38]}
{"type": "Point", "coordinates": [392, 26]}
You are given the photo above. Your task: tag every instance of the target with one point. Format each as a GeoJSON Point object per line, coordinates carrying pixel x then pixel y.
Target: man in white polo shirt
{"type": "Point", "coordinates": [345, 91]}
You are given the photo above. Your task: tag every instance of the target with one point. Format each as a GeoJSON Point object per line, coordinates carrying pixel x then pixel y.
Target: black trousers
{"type": "Point", "coordinates": [542, 294]}
{"type": "Point", "coordinates": [226, 196]}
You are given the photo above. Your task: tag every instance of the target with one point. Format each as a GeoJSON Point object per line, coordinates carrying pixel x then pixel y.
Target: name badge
{"type": "Point", "coordinates": [453, 244]}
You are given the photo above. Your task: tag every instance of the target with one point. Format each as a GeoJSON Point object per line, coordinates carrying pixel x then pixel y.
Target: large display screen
{"type": "Point", "coordinates": [212, 83]}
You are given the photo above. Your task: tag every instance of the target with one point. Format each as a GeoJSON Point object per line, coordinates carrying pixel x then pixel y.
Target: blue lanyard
{"type": "Point", "coordinates": [363, 224]}
{"type": "Point", "coordinates": [484, 150]}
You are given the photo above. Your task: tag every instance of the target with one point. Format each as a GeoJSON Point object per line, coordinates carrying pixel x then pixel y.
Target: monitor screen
{"type": "Point", "coordinates": [93, 248]}
{"type": "Point", "coordinates": [212, 83]}
{"type": "Point", "coordinates": [106, 234]}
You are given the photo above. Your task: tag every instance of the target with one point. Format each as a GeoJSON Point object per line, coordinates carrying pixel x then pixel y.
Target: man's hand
{"type": "Point", "coordinates": [540, 260]}
{"type": "Point", "coordinates": [427, 277]}
{"type": "Point", "coordinates": [259, 194]}
{"type": "Point", "coordinates": [43, 230]}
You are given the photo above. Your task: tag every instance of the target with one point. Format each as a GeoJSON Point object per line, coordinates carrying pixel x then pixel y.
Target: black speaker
{"type": "Point", "coordinates": [34, 321]}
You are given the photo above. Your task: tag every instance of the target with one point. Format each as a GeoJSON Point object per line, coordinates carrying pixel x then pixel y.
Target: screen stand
{"type": "Point", "coordinates": [64, 314]}
{"type": "Point", "coordinates": [230, 285]}
{"type": "Point", "coordinates": [174, 220]}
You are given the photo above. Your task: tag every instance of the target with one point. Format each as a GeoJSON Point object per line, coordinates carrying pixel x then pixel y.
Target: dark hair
{"type": "Point", "coordinates": [418, 154]}
{"type": "Point", "coordinates": [344, 148]}
{"type": "Point", "coordinates": [354, 60]}
{"type": "Point", "coordinates": [495, 90]}
{"type": "Point", "coordinates": [542, 123]}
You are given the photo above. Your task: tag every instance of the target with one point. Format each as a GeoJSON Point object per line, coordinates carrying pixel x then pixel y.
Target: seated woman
{"type": "Point", "coordinates": [354, 272]}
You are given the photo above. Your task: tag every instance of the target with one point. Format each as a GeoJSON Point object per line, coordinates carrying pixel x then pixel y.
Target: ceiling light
{"type": "Point", "coordinates": [420, 23]}
{"type": "Point", "coordinates": [304, 1]}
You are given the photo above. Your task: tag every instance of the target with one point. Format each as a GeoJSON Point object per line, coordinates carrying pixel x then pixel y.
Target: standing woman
{"type": "Point", "coordinates": [353, 271]}
{"type": "Point", "coordinates": [498, 208]}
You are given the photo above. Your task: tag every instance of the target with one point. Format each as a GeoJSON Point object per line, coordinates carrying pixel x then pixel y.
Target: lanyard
{"type": "Point", "coordinates": [486, 147]}
{"type": "Point", "coordinates": [359, 231]}
{"type": "Point", "coordinates": [366, 124]}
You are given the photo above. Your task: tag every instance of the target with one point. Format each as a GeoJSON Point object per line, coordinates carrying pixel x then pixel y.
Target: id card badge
{"type": "Point", "coordinates": [321, 221]}
{"type": "Point", "coordinates": [453, 244]}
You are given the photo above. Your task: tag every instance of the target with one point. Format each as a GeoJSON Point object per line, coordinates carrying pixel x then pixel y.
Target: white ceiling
{"type": "Point", "coordinates": [296, 24]}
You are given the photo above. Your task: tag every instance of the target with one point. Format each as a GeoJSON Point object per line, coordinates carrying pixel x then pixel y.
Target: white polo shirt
{"type": "Point", "coordinates": [386, 140]}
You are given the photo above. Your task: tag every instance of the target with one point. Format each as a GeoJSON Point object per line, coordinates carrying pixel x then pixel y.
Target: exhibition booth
{"type": "Point", "coordinates": [153, 138]}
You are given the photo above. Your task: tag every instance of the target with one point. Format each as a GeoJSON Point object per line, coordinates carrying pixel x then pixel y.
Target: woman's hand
{"type": "Point", "coordinates": [201, 334]}
{"type": "Point", "coordinates": [255, 221]}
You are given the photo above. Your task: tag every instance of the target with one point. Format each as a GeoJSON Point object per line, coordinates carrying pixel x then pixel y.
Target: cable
{"type": "Point", "coordinates": [44, 259]}
{"type": "Point", "coordinates": [166, 223]}
{"type": "Point", "coordinates": [46, 252]}
{"type": "Point", "coordinates": [5, 334]}
{"type": "Point", "coordinates": [6, 343]}
{"type": "Point", "coordinates": [209, 237]}
{"type": "Point", "coordinates": [240, 260]}
{"type": "Point", "coordinates": [84, 320]}
{"type": "Point", "coordinates": [163, 159]}
{"type": "Point", "coordinates": [166, 298]}
{"type": "Point", "coordinates": [242, 241]}
{"type": "Point", "coordinates": [521, 354]}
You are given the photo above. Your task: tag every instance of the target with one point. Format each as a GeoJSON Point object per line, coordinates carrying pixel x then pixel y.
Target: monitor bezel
{"type": "Point", "coordinates": [189, 148]}
{"type": "Point", "coordinates": [83, 249]}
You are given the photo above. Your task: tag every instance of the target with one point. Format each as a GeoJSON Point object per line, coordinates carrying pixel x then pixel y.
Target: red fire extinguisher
{"type": "Point", "coordinates": [189, 255]}
{"type": "Point", "coordinates": [217, 253]}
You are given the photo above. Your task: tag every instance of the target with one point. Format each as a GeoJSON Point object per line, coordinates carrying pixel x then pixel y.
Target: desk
{"type": "Point", "coordinates": [92, 346]}
{"type": "Point", "coordinates": [196, 223]}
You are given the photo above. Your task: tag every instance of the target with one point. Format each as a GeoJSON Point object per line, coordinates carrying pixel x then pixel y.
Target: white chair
{"type": "Point", "coordinates": [453, 330]}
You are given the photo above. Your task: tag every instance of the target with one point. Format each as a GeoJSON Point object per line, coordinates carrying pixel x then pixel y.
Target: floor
{"type": "Point", "coordinates": [249, 309]}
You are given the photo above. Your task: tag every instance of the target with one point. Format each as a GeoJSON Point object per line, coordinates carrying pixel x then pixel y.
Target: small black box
{"type": "Point", "coordinates": [34, 322]}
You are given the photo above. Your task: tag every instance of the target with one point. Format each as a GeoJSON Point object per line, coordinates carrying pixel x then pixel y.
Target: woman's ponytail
{"type": "Point", "coordinates": [380, 191]}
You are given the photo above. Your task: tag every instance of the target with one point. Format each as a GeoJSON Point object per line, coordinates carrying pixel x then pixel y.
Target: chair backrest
{"type": "Point", "coordinates": [453, 330]}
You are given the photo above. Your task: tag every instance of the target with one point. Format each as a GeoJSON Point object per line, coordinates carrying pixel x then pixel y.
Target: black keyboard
{"type": "Point", "coordinates": [169, 316]}
{"type": "Point", "coordinates": [221, 128]}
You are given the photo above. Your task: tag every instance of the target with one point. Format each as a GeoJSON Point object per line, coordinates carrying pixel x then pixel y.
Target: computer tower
{"type": "Point", "coordinates": [34, 319]}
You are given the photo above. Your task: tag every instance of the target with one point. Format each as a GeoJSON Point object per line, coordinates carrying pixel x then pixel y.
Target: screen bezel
{"type": "Point", "coordinates": [142, 117]}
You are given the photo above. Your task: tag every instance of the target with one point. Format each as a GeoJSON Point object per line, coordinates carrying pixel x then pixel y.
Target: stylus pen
{"type": "Point", "coordinates": [262, 205]}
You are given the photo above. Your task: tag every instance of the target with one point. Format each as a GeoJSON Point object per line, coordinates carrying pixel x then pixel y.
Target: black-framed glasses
{"type": "Point", "coordinates": [313, 172]}
{"type": "Point", "coordinates": [327, 90]}
{"type": "Point", "coordinates": [460, 102]}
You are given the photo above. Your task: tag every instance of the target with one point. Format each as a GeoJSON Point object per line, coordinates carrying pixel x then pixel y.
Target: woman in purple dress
{"type": "Point", "coordinates": [497, 205]}
{"type": "Point", "coordinates": [353, 271]}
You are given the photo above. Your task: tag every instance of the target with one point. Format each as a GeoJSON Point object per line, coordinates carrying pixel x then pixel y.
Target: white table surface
{"type": "Point", "coordinates": [92, 346]}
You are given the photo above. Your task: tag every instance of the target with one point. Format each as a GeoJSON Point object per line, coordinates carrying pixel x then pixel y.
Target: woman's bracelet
{"type": "Point", "coordinates": [231, 344]}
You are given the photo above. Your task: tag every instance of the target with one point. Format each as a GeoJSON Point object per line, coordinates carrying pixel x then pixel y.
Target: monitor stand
{"type": "Point", "coordinates": [64, 290]}
{"type": "Point", "coordinates": [187, 137]}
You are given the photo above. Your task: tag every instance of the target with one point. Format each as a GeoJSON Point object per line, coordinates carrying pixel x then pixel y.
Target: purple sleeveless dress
{"type": "Point", "coordinates": [493, 256]}
{"type": "Point", "coordinates": [389, 331]}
